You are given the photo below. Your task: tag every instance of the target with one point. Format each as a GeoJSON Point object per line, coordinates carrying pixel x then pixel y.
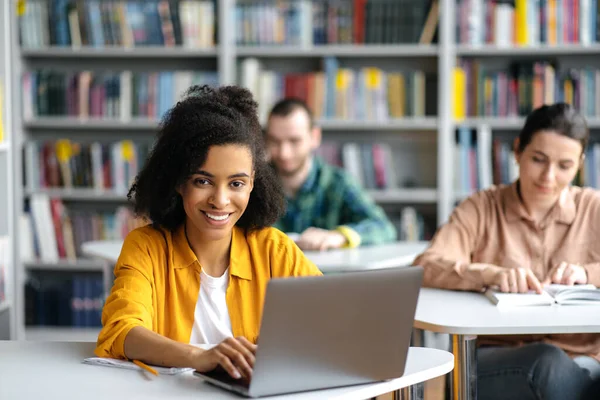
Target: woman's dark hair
{"type": "Point", "coordinates": [560, 118]}
{"type": "Point", "coordinates": [205, 117]}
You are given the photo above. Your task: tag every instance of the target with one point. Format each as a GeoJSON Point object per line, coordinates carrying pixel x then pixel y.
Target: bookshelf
{"type": "Point", "coordinates": [428, 124]}
{"type": "Point", "coordinates": [549, 59]}
{"type": "Point", "coordinates": [387, 51]}
{"type": "Point", "coordinates": [119, 52]}
{"type": "Point", "coordinates": [8, 303]}
{"type": "Point", "coordinates": [424, 147]}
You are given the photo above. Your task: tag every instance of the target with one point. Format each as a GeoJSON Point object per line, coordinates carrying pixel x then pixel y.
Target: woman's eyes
{"type": "Point", "coordinates": [564, 167]}
{"type": "Point", "coordinates": [234, 184]}
{"type": "Point", "coordinates": [200, 181]}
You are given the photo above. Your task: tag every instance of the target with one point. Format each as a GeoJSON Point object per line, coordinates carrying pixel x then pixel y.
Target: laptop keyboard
{"type": "Point", "coordinates": [222, 375]}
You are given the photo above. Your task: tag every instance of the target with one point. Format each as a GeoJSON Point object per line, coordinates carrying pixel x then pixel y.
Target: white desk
{"type": "Point", "coordinates": [53, 371]}
{"type": "Point", "coordinates": [464, 315]}
{"type": "Point", "coordinates": [340, 260]}
{"type": "Point", "coordinates": [367, 257]}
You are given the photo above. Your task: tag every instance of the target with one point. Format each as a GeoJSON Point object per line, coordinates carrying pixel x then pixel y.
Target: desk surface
{"type": "Point", "coordinates": [341, 260]}
{"type": "Point", "coordinates": [369, 257]}
{"type": "Point", "coordinates": [53, 371]}
{"type": "Point", "coordinates": [468, 313]}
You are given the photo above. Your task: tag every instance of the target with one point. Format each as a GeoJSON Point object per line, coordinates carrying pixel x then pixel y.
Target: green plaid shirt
{"type": "Point", "coordinates": [330, 198]}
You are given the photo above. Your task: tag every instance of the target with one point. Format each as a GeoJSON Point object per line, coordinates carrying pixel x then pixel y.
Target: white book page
{"type": "Point", "coordinates": [519, 299]}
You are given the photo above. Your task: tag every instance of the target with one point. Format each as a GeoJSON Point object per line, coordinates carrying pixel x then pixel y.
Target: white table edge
{"type": "Point", "coordinates": [516, 330]}
{"type": "Point", "coordinates": [377, 389]}
{"type": "Point", "coordinates": [89, 249]}
{"type": "Point", "coordinates": [443, 364]}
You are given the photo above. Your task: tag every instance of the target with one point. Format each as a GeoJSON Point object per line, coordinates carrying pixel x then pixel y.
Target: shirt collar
{"type": "Point", "coordinates": [563, 212]}
{"type": "Point", "coordinates": [239, 263]}
{"type": "Point", "coordinates": [183, 255]}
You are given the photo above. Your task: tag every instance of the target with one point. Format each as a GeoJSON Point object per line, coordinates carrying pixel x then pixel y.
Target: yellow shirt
{"type": "Point", "coordinates": [157, 280]}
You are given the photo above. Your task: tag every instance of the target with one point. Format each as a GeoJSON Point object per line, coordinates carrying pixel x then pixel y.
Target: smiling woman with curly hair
{"type": "Point", "coordinates": [198, 273]}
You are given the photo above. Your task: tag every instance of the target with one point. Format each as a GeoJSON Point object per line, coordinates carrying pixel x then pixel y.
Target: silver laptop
{"type": "Point", "coordinates": [331, 331]}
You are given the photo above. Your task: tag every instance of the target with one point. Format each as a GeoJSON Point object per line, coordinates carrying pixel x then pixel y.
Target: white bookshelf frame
{"type": "Point", "coordinates": [440, 127]}
{"type": "Point", "coordinates": [8, 308]}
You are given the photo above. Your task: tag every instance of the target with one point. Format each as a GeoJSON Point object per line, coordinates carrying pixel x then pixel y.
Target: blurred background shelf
{"type": "Point", "coordinates": [80, 264]}
{"type": "Point", "coordinates": [413, 196]}
{"type": "Point", "coordinates": [80, 194]}
{"type": "Point", "coordinates": [539, 50]}
{"type": "Point", "coordinates": [119, 52]}
{"type": "Point", "coordinates": [387, 51]}
{"type": "Point", "coordinates": [61, 334]}
{"type": "Point", "coordinates": [4, 306]}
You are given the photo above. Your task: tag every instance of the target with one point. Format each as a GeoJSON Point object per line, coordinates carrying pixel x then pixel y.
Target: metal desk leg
{"type": "Point", "coordinates": [414, 392]}
{"type": "Point", "coordinates": [417, 338]}
{"type": "Point", "coordinates": [464, 375]}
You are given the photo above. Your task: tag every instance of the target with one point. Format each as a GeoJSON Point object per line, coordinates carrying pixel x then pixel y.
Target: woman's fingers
{"type": "Point", "coordinates": [522, 283]}
{"type": "Point", "coordinates": [533, 282]}
{"type": "Point", "coordinates": [241, 357]}
{"type": "Point", "coordinates": [226, 363]}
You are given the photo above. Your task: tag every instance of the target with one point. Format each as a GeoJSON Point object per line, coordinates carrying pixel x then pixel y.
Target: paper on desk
{"type": "Point", "coordinates": [113, 362]}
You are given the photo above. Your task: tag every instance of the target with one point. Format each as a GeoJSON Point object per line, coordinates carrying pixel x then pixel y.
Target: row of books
{"type": "Point", "coordinates": [74, 300]}
{"type": "Point", "coordinates": [525, 86]}
{"type": "Point", "coordinates": [120, 95]}
{"type": "Point", "coordinates": [4, 260]}
{"type": "Point", "coordinates": [412, 226]}
{"type": "Point", "coordinates": [371, 164]}
{"type": "Point", "coordinates": [126, 23]}
{"type": "Point", "coordinates": [527, 22]}
{"type": "Point", "coordinates": [590, 173]}
{"type": "Point", "coordinates": [343, 93]}
{"type": "Point", "coordinates": [480, 160]}
{"type": "Point", "coordinates": [68, 164]}
{"type": "Point", "coordinates": [50, 231]}
{"type": "Point", "coordinates": [308, 22]}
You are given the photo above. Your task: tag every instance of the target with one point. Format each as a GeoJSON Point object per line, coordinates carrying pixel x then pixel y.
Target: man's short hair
{"type": "Point", "coordinates": [285, 107]}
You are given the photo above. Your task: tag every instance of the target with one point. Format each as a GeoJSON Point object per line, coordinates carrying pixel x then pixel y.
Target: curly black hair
{"type": "Point", "coordinates": [205, 117]}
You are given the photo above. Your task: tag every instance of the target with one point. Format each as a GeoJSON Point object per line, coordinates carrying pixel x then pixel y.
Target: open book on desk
{"type": "Point", "coordinates": [552, 294]}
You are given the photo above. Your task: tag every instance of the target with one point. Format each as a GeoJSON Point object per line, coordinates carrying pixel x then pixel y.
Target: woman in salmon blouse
{"type": "Point", "coordinates": [519, 237]}
{"type": "Point", "coordinates": [198, 273]}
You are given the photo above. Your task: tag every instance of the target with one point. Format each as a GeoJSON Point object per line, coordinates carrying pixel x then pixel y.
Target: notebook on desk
{"type": "Point", "coordinates": [552, 294]}
{"type": "Point", "coordinates": [116, 363]}
{"type": "Point", "coordinates": [331, 331]}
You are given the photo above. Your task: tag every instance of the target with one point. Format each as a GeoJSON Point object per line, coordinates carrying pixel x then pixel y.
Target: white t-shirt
{"type": "Point", "coordinates": [211, 317]}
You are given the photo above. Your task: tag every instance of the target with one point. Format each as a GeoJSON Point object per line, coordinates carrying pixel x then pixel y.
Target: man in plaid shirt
{"type": "Point", "coordinates": [325, 205]}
